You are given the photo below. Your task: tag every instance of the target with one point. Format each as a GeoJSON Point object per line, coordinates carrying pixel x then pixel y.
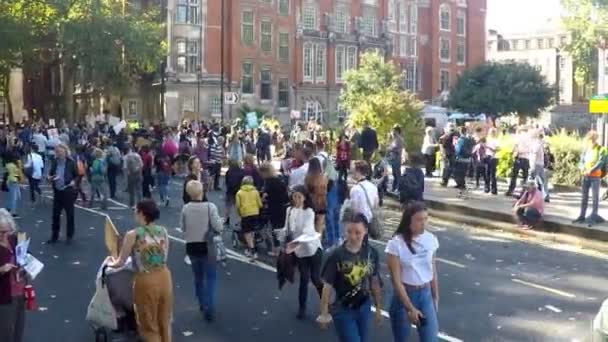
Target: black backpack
{"type": "Point", "coordinates": [467, 149]}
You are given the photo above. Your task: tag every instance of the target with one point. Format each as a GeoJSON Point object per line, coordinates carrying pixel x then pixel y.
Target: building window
{"type": "Point", "coordinates": [444, 49]}
{"type": "Point", "coordinates": [283, 93]}
{"type": "Point", "coordinates": [460, 52]}
{"type": "Point", "coordinates": [284, 7]}
{"type": "Point", "coordinates": [266, 35]}
{"type": "Point", "coordinates": [444, 82]}
{"type": "Point", "coordinates": [265, 85]}
{"type": "Point", "coordinates": [403, 24]}
{"type": "Point", "coordinates": [461, 26]}
{"type": "Point", "coordinates": [391, 10]}
{"type": "Point", "coordinates": [132, 107]}
{"type": "Point", "coordinates": [187, 56]}
{"type": "Point", "coordinates": [351, 58]}
{"type": "Point", "coordinates": [187, 12]}
{"type": "Point", "coordinates": [550, 43]}
{"type": "Point", "coordinates": [340, 65]}
{"type": "Point", "coordinates": [413, 15]}
{"type": "Point", "coordinates": [307, 60]}
{"type": "Point", "coordinates": [247, 27]}
{"type": "Point", "coordinates": [215, 105]}
{"type": "Point", "coordinates": [188, 104]}
{"type": "Point", "coordinates": [527, 44]}
{"type": "Point", "coordinates": [320, 64]}
{"type": "Point", "coordinates": [284, 46]}
{"type": "Point", "coordinates": [514, 45]}
{"type": "Point", "coordinates": [309, 18]}
{"type": "Point", "coordinates": [444, 17]}
{"type": "Point", "coordinates": [403, 42]}
{"type": "Point", "coordinates": [247, 78]}
{"type": "Point", "coordinates": [369, 23]}
{"type": "Point", "coordinates": [563, 40]}
{"type": "Point", "coordinates": [341, 20]}
{"type": "Point", "coordinates": [410, 78]}
{"type": "Point", "coordinates": [540, 43]}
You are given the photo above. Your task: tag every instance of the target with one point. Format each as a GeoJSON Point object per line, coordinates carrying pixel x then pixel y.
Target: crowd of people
{"type": "Point", "coordinates": [315, 213]}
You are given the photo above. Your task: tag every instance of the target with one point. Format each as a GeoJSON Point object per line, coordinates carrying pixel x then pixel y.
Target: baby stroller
{"type": "Point", "coordinates": [119, 283]}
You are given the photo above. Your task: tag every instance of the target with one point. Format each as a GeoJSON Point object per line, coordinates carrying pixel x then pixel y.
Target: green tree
{"type": "Point", "coordinates": [587, 23]}
{"type": "Point", "coordinates": [373, 94]}
{"type": "Point", "coordinates": [502, 89]}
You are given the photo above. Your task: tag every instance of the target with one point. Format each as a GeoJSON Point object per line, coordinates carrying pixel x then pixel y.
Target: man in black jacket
{"type": "Point", "coordinates": [63, 176]}
{"type": "Point", "coordinates": [368, 142]}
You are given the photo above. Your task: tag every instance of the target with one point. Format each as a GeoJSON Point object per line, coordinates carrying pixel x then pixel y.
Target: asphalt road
{"type": "Point", "coordinates": [493, 287]}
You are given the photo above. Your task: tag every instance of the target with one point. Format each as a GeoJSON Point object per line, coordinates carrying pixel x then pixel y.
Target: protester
{"type": "Point", "coordinates": [380, 176]}
{"type": "Point", "coordinates": [33, 169]}
{"type": "Point", "coordinates": [97, 179]}
{"type": "Point", "coordinates": [298, 176]}
{"type": "Point", "coordinates": [492, 147]}
{"type": "Point", "coordinates": [200, 221]}
{"type": "Point", "coordinates": [12, 283]}
{"type": "Point", "coordinates": [235, 148]}
{"type": "Point", "coordinates": [463, 157]}
{"type": "Point", "coordinates": [216, 156]}
{"type": "Point", "coordinates": [275, 197]}
{"type": "Point", "coordinates": [395, 155]}
{"type": "Point", "coordinates": [234, 177]}
{"type": "Point", "coordinates": [537, 161]}
{"type": "Point", "coordinates": [248, 205]}
{"type": "Point", "coordinates": [82, 169]}
{"type": "Point", "coordinates": [429, 150]}
{"type": "Point", "coordinates": [152, 284]}
{"type": "Point", "coordinates": [300, 222]}
{"type": "Point", "coordinates": [196, 172]}
{"type": "Point", "coordinates": [480, 162]}
{"type": "Point", "coordinates": [411, 186]}
{"type": "Point", "coordinates": [530, 207]}
{"type": "Point", "coordinates": [364, 194]}
{"type": "Point", "coordinates": [447, 144]}
{"type": "Point", "coordinates": [316, 186]}
{"type": "Point", "coordinates": [521, 155]}
{"type": "Point", "coordinates": [368, 142]}
{"type": "Point", "coordinates": [11, 181]}
{"type": "Point", "coordinates": [352, 272]}
{"type": "Point", "coordinates": [411, 263]}
{"type": "Point", "coordinates": [592, 160]}
{"type": "Point", "coordinates": [114, 159]}
{"type": "Point", "coordinates": [147, 164]}
{"type": "Point", "coordinates": [63, 174]}
{"type": "Point", "coordinates": [163, 176]}
{"type": "Point", "coordinates": [343, 157]}
{"type": "Point", "coordinates": [134, 168]}
{"type": "Point", "coordinates": [251, 170]}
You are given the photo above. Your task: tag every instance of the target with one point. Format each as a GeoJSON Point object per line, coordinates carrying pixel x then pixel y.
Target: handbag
{"type": "Point", "coordinates": [374, 230]}
{"type": "Point", "coordinates": [101, 311]}
{"type": "Point", "coordinates": [357, 296]}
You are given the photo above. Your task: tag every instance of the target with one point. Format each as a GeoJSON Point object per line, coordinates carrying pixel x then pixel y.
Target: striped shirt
{"type": "Point", "coordinates": [216, 153]}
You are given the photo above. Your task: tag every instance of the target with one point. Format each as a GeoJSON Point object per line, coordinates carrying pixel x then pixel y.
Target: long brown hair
{"type": "Point", "coordinates": [405, 226]}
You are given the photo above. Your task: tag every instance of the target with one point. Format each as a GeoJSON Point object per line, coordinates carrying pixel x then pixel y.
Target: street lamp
{"type": "Point", "coordinates": [558, 58]}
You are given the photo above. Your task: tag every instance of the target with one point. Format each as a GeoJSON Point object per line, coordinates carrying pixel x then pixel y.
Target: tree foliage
{"type": "Point", "coordinates": [502, 89]}
{"type": "Point", "coordinates": [373, 94]}
{"type": "Point", "coordinates": [587, 23]}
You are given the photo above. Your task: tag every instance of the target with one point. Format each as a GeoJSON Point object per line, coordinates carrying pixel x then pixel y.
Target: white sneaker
{"type": "Point", "coordinates": [248, 253]}
{"type": "Point", "coordinates": [187, 260]}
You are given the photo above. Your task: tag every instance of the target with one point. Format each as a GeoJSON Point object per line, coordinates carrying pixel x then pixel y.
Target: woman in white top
{"type": "Point", "coordinates": [33, 171]}
{"type": "Point", "coordinates": [300, 223]}
{"type": "Point", "coordinates": [411, 263]}
{"type": "Point", "coordinates": [492, 146]}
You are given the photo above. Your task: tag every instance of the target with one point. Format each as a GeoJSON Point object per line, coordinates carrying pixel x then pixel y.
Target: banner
{"type": "Point", "coordinates": [252, 120]}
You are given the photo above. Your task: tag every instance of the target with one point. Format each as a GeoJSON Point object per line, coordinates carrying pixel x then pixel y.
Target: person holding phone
{"type": "Point", "coordinates": [411, 263]}
{"type": "Point", "coordinates": [63, 175]}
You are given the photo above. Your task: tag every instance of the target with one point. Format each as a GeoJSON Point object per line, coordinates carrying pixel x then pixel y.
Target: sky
{"type": "Point", "coordinates": [520, 15]}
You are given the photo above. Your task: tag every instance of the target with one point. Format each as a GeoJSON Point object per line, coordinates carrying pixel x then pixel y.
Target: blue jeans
{"type": "Point", "coordinates": [205, 281]}
{"type": "Point", "coordinates": [163, 185]}
{"type": "Point", "coordinates": [352, 325]}
{"type": "Point", "coordinates": [592, 183]}
{"type": "Point", "coordinates": [400, 324]}
{"type": "Point", "coordinates": [332, 216]}
{"type": "Point", "coordinates": [14, 193]}
{"type": "Point", "coordinates": [396, 169]}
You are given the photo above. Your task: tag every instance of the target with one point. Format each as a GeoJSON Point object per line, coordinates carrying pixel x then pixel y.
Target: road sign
{"type": "Point", "coordinates": [598, 104]}
{"type": "Point", "coordinates": [231, 98]}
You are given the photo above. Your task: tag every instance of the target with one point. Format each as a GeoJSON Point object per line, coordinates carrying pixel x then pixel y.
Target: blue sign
{"type": "Point", "coordinates": [252, 120]}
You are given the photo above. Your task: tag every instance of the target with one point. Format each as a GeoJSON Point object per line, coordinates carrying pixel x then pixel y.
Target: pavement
{"type": "Point", "coordinates": [559, 213]}
{"type": "Point", "coordinates": [495, 286]}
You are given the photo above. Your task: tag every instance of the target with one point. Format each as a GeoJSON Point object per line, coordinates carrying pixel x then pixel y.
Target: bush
{"type": "Point", "coordinates": [505, 156]}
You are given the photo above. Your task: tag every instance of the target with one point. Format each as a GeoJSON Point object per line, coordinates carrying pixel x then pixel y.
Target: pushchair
{"type": "Point", "coordinates": [262, 234]}
{"type": "Point", "coordinates": [120, 289]}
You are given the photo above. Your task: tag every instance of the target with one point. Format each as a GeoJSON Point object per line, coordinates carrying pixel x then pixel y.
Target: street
{"type": "Point", "coordinates": [493, 287]}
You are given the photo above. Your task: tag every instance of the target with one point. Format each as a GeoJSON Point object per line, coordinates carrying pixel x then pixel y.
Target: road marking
{"type": "Point", "coordinates": [544, 288]}
{"type": "Point", "coordinates": [118, 203]}
{"type": "Point", "coordinates": [553, 308]}
{"type": "Point", "coordinates": [240, 257]}
{"type": "Point", "coordinates": [452, 263]}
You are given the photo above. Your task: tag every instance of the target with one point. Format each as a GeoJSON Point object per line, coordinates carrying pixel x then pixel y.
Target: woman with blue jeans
{"type": "Point", "coordinates": [200, 222]}
{"type": "Point", "coordinates": [351, 270]}
{"type": "Point", "coordinates": [411, 263]}
{"type": "Point", "coordinates": [163, 175]}
{"type": "Point", "coordinates": [12, 182]}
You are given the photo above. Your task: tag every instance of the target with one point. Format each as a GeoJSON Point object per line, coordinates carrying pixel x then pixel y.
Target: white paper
{"type": "Point", "coordinates": [33, 266]}
{"type": "Point", "coordinates": [113, 121]}
{"type": "Point", "coordinates": [119, 126]}
{"type": "Point", "coordinates": [21, 252]}
{"type": "Point", "coordinates": [307, 238]}
{"type": "Point", "coordinates": [52, 122]}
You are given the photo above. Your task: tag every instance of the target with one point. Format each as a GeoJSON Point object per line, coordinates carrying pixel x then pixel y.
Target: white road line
{"type": "Point", "coordinates": [544, 288]}
{"type": "Point", "coordinates": [553, 308]}
{"type": "Point", "coordinates": [452, 263]}
{"type": "Point", "coordinates": [118, 203]}
{"type": "Point", "coordinates": [240, 257]}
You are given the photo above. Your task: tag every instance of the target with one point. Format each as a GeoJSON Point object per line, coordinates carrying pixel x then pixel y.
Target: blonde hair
{"type": "Point", "coordinates": [267, 169]}
{"type": "Point", "coordinates": [6, 219]}
{"type": "Point", "coordinates": [64, 147]}
{"type": "Point", "coordinates": [98, 153]}
{"type": "Point", "coordinates": [194, 189]}
{"type": "Point", "coordinates": [592, 136]}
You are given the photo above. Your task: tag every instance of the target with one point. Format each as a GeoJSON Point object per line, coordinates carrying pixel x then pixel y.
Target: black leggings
{"type": "Point", "coordinates": [310, 270]}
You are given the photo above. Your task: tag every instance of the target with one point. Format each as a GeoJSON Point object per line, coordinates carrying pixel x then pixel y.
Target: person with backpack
{"type": "Point", "coordinates": [380, 176]}
{"type": "Point", "coordinates": [448, 152]}
{"type": "Point", "coordinates": [521, 155]}
{"type": "Point", "coordinates": [480, 162]}
{"type": "Point", "coordinates": [593, 163]}
{"type": "Point", "coordinates": [411, 185]}
{"type": "Point", "coordinates": [395, 154]}
{"type": "Point", "coordinates": [82, 169]}
{"type": "Point", "coordinates": [114, 162]}
{"type": "Point", "coordinates": [163, 175]}
{"type": "Point", "coordinates": [463, 154]}
{"type": "Point", "coordinates": [97, 179]}
{"type": "Point", "coordinates": [148, 162]}
{"type": "Point", "coordinates": [134, 166]}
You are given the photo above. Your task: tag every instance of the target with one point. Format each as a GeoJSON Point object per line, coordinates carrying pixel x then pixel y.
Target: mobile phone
{"type": "Point", "coordinates": [422, 321]}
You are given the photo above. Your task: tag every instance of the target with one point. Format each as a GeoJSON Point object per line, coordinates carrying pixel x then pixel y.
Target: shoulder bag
{"type": "Point", "coordinates": [374, 229]}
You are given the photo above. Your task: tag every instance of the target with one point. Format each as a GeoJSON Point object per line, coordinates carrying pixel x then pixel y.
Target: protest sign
{"type": "Point", "coordinates": [111, 238]}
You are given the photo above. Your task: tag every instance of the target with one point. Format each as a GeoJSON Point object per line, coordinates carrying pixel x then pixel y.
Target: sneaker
{"type": "Point", "coordinates": [187, 260]}
{"type": "Point", "coordinates": [579, 220]}
{"type": "Point", "coordinates": [254, 256]}
{"type": "Point", "coordinates": [167, 202]}
{"type": "Point", "coordinates": [248, 253]}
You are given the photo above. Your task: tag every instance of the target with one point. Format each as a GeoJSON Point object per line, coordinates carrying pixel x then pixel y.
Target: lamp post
{"type": "Point", "coordinates": [222, 63]}
{"type": "Point", "coordinates": [558, 58]}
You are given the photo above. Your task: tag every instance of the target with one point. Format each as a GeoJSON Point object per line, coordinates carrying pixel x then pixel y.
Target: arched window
{"type": "Point", "coordinates": [444, 17]}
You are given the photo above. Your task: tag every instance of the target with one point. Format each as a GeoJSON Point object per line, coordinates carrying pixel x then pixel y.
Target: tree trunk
{"type": "Point", "coordinates": [7, 98]}
{"type": "Point", "coordinates": [68, 94]}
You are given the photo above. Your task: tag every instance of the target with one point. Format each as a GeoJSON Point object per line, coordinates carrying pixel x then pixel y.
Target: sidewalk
{"type": "Point", "coordinates": [564, 207]}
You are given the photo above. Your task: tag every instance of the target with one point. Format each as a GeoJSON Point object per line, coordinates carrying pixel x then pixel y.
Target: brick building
{"type": "Point", "coordinates": [285, 55]}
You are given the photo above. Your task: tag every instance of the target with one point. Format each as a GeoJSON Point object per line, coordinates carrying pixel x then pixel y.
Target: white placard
{"type": "Point", "coordinates": [33, 266]}
{"type": "Point", "coordinates": [113, 121]}
{"type": "Point", "coordinates": [52, 122]}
